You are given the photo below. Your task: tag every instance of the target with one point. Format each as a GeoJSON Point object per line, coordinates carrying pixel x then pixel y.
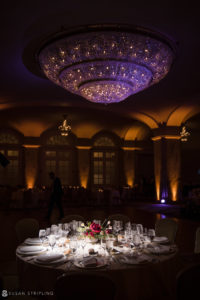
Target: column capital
{"type": "Point", "coordinates": [83, 147]}
{"type": "Point", "coordinates": [31, 146]}
{"type": "Point", "coordinates": [166, 132]}
{"type": "Point", "coordinates": [131, 148]}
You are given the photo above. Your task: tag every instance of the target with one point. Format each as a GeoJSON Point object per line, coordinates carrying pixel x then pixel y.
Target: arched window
{"type": "Point", "coordinates": [10, 147]}
{"type": "Point", "coordinates": [104, 157]}
{"type": "Point", "coordinates": [58, 156]}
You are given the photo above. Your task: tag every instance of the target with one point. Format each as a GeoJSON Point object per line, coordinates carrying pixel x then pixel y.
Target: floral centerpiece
{"type": "Point", "coordinates": [95, 231]}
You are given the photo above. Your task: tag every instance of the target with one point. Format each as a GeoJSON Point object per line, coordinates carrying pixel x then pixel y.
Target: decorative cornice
{"type": "Point", "coordinates": [31, 146]}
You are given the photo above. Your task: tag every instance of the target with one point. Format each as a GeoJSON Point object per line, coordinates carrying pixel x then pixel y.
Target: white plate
{"type": "Point", "coordinates": [136, 261]}
{"type": "Point", "coordinates": [161, 250]}
{"type": "Point", "coordinates": [49, 257]}
{"type": "Point", "coordinates": [52, 263]}
{"type": "Point", "coordinates": [33, 241]}
{"type": "Point", "coordinates": [160, 239]}
{"type": "Point", "coordinates": [30, 253]}
{"type": "Point", "coordinates": [30, 250]}
{"type": "Point", "coordinates": [26, 249]}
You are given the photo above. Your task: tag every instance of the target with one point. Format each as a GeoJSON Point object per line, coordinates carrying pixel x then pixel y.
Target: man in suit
{"type": "Point", "coordinates": [56, 196]}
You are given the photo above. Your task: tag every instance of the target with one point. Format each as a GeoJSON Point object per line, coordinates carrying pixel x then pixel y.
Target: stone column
{"type": "Point", "coordinates": [84, 165]}
{"type": "Point", "coordinates": [31, 165]}
{"type": "Point", "coordinates": [167, 162]}
{"type": "Point", "coordinates": [129, 165]}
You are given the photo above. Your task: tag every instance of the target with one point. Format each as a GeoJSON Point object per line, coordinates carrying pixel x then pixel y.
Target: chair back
{"type": "Point", "coordinates": [70, 218]}
{"type": "Point", "coordinates": [84, 285]}
{"type": "Point", "coordinates": [166, 227]}
{"type": "Point", "coordinates": [187, 283]}
{"type": "Point", "coordinates": [26, 228]}
{"type": "Point", "coordinates": [197, 241]}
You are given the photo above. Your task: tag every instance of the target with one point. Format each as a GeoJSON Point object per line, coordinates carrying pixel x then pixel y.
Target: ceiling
{"type": "Point", "coordinates": [172, 101]}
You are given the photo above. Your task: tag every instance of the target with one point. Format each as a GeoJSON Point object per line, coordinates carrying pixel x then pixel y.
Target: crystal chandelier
{"type": "Point", "coordinates": [184, 134]}
{"type": "Point", "coordinates": [106, 63]}
{"type": "Point", "coordinates": [64, 128]}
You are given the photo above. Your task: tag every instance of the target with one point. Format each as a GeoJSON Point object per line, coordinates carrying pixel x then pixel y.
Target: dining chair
{"type": "Point", "coordinates": [84, 285]}
{"type": "Point", "coordinates": [166, 227]}
{"type": "Point", "coordinates": [187, 283]}
{"type": "Point", "coordinates": [26, 228]}
{"type": "Point", "coordinates": [197, 242]}
{"type": "Point", "coordinates": [119, 217]}
{"type": "Point", "coordinates": [70, 218]}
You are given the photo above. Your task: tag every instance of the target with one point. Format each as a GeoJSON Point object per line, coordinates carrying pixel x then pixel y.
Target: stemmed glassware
{"type": "Point", "coordinates": [117, 226]}
{"type": "Point", "coordinates": [139, 229]}
{"type": "Point", "coordinates": [151, 234]}
{"type": "Point", "coordinates": [83, 243]}
{"type": "Point", "coordinates": [73, 244]}
{"type": "Point", "coordinates": [103, 245]}
{"type": "Point", "coordinates": [42, 235]}
{"type": "Point", "coordinates": [52, 241]}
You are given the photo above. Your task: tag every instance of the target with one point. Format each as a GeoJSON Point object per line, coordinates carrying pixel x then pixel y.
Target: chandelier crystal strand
{"type": "Point", "coordinates": [106, 66]}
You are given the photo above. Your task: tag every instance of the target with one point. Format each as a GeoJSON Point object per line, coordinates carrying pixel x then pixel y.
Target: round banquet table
{"type": "Point", "coordinates": [153, 280]}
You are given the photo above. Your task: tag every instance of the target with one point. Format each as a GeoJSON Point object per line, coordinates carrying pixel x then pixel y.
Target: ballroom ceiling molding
{"type": "Point", "coordinates": [182, 113]}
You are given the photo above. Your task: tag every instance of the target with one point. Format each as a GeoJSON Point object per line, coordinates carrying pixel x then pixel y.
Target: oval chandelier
{"type": "Point", "coordinates": [106, 63]}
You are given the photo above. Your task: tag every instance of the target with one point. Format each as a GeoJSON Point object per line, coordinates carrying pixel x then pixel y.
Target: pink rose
{"type": "Point", "coordinates": [95, 227]}
{"type": "Point", "coordinates": [86, 233]}
{"type": "Point", "coordinates": [108, 231]}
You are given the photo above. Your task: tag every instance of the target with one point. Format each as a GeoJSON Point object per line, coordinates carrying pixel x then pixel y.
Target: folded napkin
{"type": "Point", "coordinates": [48, 258]}
{"type": "Point", "coordinates": [90, 262]}
{"type": "Point", "coordinates": [160, 239]}
{"type": "Point", "coordinates": [26, 249]}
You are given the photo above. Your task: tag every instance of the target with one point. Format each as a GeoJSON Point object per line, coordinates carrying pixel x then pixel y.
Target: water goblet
{"type": "Point", "coordinates": [117, 226]}
{"type": "Point", "coordinates": [73, 244]}
{"type": "Point", "coordinates": [52, 241]}
{"type": "Point", "coordinates": [103, 245]}
{"type": "Point", "coordinates": [42, 235]}
{"type": "Point", "coordinates": [151, 234]}
{"type": "Point", "coordinates": [48, 231]}
{"type": "Point", "coordinates": [139, 229]}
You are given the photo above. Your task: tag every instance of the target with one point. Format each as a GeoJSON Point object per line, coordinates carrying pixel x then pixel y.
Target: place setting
{"type": "Point", "coordinates": [30, 250]}
{"type": "Point", "coordinates": [159, 249]}
{"type": "Point", "coordinates": [91, 263]}
{"type": "Point", "coordinates": [50, 259]}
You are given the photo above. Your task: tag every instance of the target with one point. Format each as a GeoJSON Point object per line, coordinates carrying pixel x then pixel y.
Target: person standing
{"type": "Point", "coordinates": [56, 196]}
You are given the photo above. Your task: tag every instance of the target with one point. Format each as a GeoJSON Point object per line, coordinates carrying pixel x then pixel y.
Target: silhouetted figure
{"type": "Point", "coordinates": [56, 196]}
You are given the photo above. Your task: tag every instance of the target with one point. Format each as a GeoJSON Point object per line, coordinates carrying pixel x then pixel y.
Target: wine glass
{"type": "Point", "coordinates": [52, 241]}
{"type": "Point", "coordinates": [117, 226]}
{"type": "Point", "coordinates": [83, 243]}
{"type": "Point", "coordinates": [139, 229]}
{"type": "Point", "coordinates": [42, 235]}
{"type": "Point", "coordinates": [73, 244]}
{"type": "Point", "coordinates": [151, 234]}
{"type": "Point", "coordinates": [54, 229]}
{"type": "Point", "coordinates": [48, 231]}
{"type": "Point", "coordinates": [103, 245]}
